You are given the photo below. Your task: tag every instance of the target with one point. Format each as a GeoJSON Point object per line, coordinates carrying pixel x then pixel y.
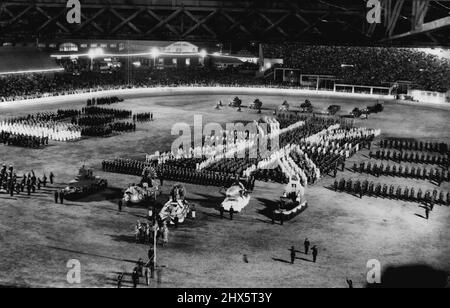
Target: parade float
{"type": "Point", "coordinates": [237, 198]}
{"type": "Point", "coordinates": [85, 183]}
{"type": "Point", "coordinates": [284, 106]}
{"type": "Point", "coordinates": [257, 105]}
{"type": "Point", "coordinates": [145, 192]}
{"type": "Point", "coordinates": [177, 209]}
{"type": "Point", "coordinates": [293, 200]}
{"type": "Point", "coordinates": [235, 103]}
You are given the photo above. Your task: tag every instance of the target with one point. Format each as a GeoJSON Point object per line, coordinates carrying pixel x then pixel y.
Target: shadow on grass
{"type": "Point", "coordinates": [281, 260]}
{"type": "Point", "coordinates": [421, 216]}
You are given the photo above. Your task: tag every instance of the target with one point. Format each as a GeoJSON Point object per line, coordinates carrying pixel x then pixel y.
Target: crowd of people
{"type": "Point", "coordinates": [116, 113]}
{"type": "Point", "coordinates": [371, 189]}
{"type": "Point", "coordinates": [420, 173]}
{"type": "Point", "coordinates": [143, 117]}
{"type": "Point", "coordinates": [35, 130]}
{"type": "Point", "coordinates": [103, 101]}
{"type": "Point", "coordinates": [414, 145]}
{"type": "Point", "coordinates": [371, 66]}
{"type": "Point", "coordinates": [125, 166]}
{"type": "Point", "coordinates": [108, 129]}
{"type": "Point", "coordinates": [11, 183]}
{"type": "Point", "coordinates": [411, 157]}
{"type": "Point", "coordinates": [22, 140]}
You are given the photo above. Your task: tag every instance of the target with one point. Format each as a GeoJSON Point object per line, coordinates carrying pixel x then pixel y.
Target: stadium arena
{"type": "Point", "coordinates": [193, 152]}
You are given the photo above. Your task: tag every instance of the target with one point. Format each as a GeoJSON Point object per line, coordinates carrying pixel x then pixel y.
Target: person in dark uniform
{"type": "Point", "coordinates": [51, 177]}
{"type": "Point", "coordinates": [135, 277]}
{"type": "Point", "coordinates": [427, 212]}
{"type": "Point", "coordinates": [314, 253]}
{"type": "Point", "coordinates": [56, 194]}
{"type": "Point", "coordinates": [120, 205]}
{"type": "Point", "coordinates": [61, 197]}
{"type": "Point", "coordinates": [350, 283]}
{"type": "Point", "coordinates": [231, 213]}
{"type": "Point", "coordinates": [119, 280]}
{"type": "Point", "coordinates": [221, 212]}
{"type": "Point", "coordinates": [306, 244]}
{"type": "Point", "coordinates": [292, 255]}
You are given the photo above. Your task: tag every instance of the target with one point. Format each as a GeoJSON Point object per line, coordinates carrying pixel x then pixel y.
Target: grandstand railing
{"type": "Point", "coordinates": [177, 90]}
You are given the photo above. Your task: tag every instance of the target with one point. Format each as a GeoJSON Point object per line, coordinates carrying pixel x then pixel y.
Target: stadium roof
{"type": "Point", "coordinates": [404, 22]}
{"type": "Point", "coordinates": [17, 60]}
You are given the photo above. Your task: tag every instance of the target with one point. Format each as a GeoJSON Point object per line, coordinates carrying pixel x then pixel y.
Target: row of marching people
{"type": "Point", "coordinates": [51, 131]}
{"type": "Point", "coordinates": [11, 183]}
{"type": "Point", "coordinates": [371, 189]}
{"type": "Point", "coordinates": [433, 174]}
{"type": "Point", "coordinates": [125, 166]}
{"type": "Point", "coordinates": [414, 145]}
{"type": "Point", "coordinates": [25, 141]}
{"type": "Point", "coordinates": [204, 177]}
{"type": "Point", "coordinates": [413, 157]}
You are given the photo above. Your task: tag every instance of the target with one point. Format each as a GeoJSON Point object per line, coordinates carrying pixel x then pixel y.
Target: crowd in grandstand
{"type": "Point", "coordinates": [351, 65]}
{"type": "Point", "coordinates": [376, 66]}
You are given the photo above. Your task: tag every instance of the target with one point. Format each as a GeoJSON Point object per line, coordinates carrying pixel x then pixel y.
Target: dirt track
{"type": "Point", "coordinates": [38, 237]}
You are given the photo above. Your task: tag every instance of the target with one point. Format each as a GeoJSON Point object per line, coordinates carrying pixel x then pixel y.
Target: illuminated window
{"type": "Point", "coordinates": [188, 62]}
{"type": "Point", "coordinates": [83, 45]}
{"type": "Point", "coordinates": [174, 61]}
{"type": "Point", "coordinates": [93, 45]}
{"type": "Point", "coordinates": [68, 47]}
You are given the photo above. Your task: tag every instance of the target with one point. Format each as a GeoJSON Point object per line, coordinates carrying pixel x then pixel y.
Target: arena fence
{"type": "Point", "coordinates": [168, 91]}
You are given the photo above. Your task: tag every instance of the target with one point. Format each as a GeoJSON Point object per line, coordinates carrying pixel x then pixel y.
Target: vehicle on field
{"type": "Point", "coordinates": [293, 200]}
{"type": "Point", "coordinates": [85, 183]}
{"type": "Point", "coordinates": [235, 103]}
{"type": "Point", "coordinates": [236, 197]}
{"type": "Point", "coordinates": [333, 109]}
{"type": "Point", "coordinates": [145, 192]}
{"type": "Point", "coordinates": [306, 107]}
{"type": "Point", "coordinates": [257, 105]}
{"type": "Point", "coordinates": [284, 106]}
{"type": "Point", "coordinates": [177, 209]}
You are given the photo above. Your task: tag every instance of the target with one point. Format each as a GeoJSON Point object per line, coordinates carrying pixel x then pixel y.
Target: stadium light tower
{"type": "Point", "coordinates": [155, 54]}
{"type": "Point", "coordinates": [203, 53]}
{"type": "Point", "coordinates": [94, 53]}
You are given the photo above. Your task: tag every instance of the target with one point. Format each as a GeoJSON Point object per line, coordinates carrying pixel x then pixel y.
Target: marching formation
{"type": "Point", "coordinates": [390, 191]}
{"type": "Point", "coordinates": [36, 130]}
{"type": "Point", "coordinates": [408, 145]}
{"type": "Point", "coordinates": [436, 175]}
{"type": "Point", "coordinates": [11, 183]}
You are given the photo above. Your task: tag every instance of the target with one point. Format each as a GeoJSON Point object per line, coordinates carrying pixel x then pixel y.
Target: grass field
{"type": "Point", "coordinates": [38, 237]}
